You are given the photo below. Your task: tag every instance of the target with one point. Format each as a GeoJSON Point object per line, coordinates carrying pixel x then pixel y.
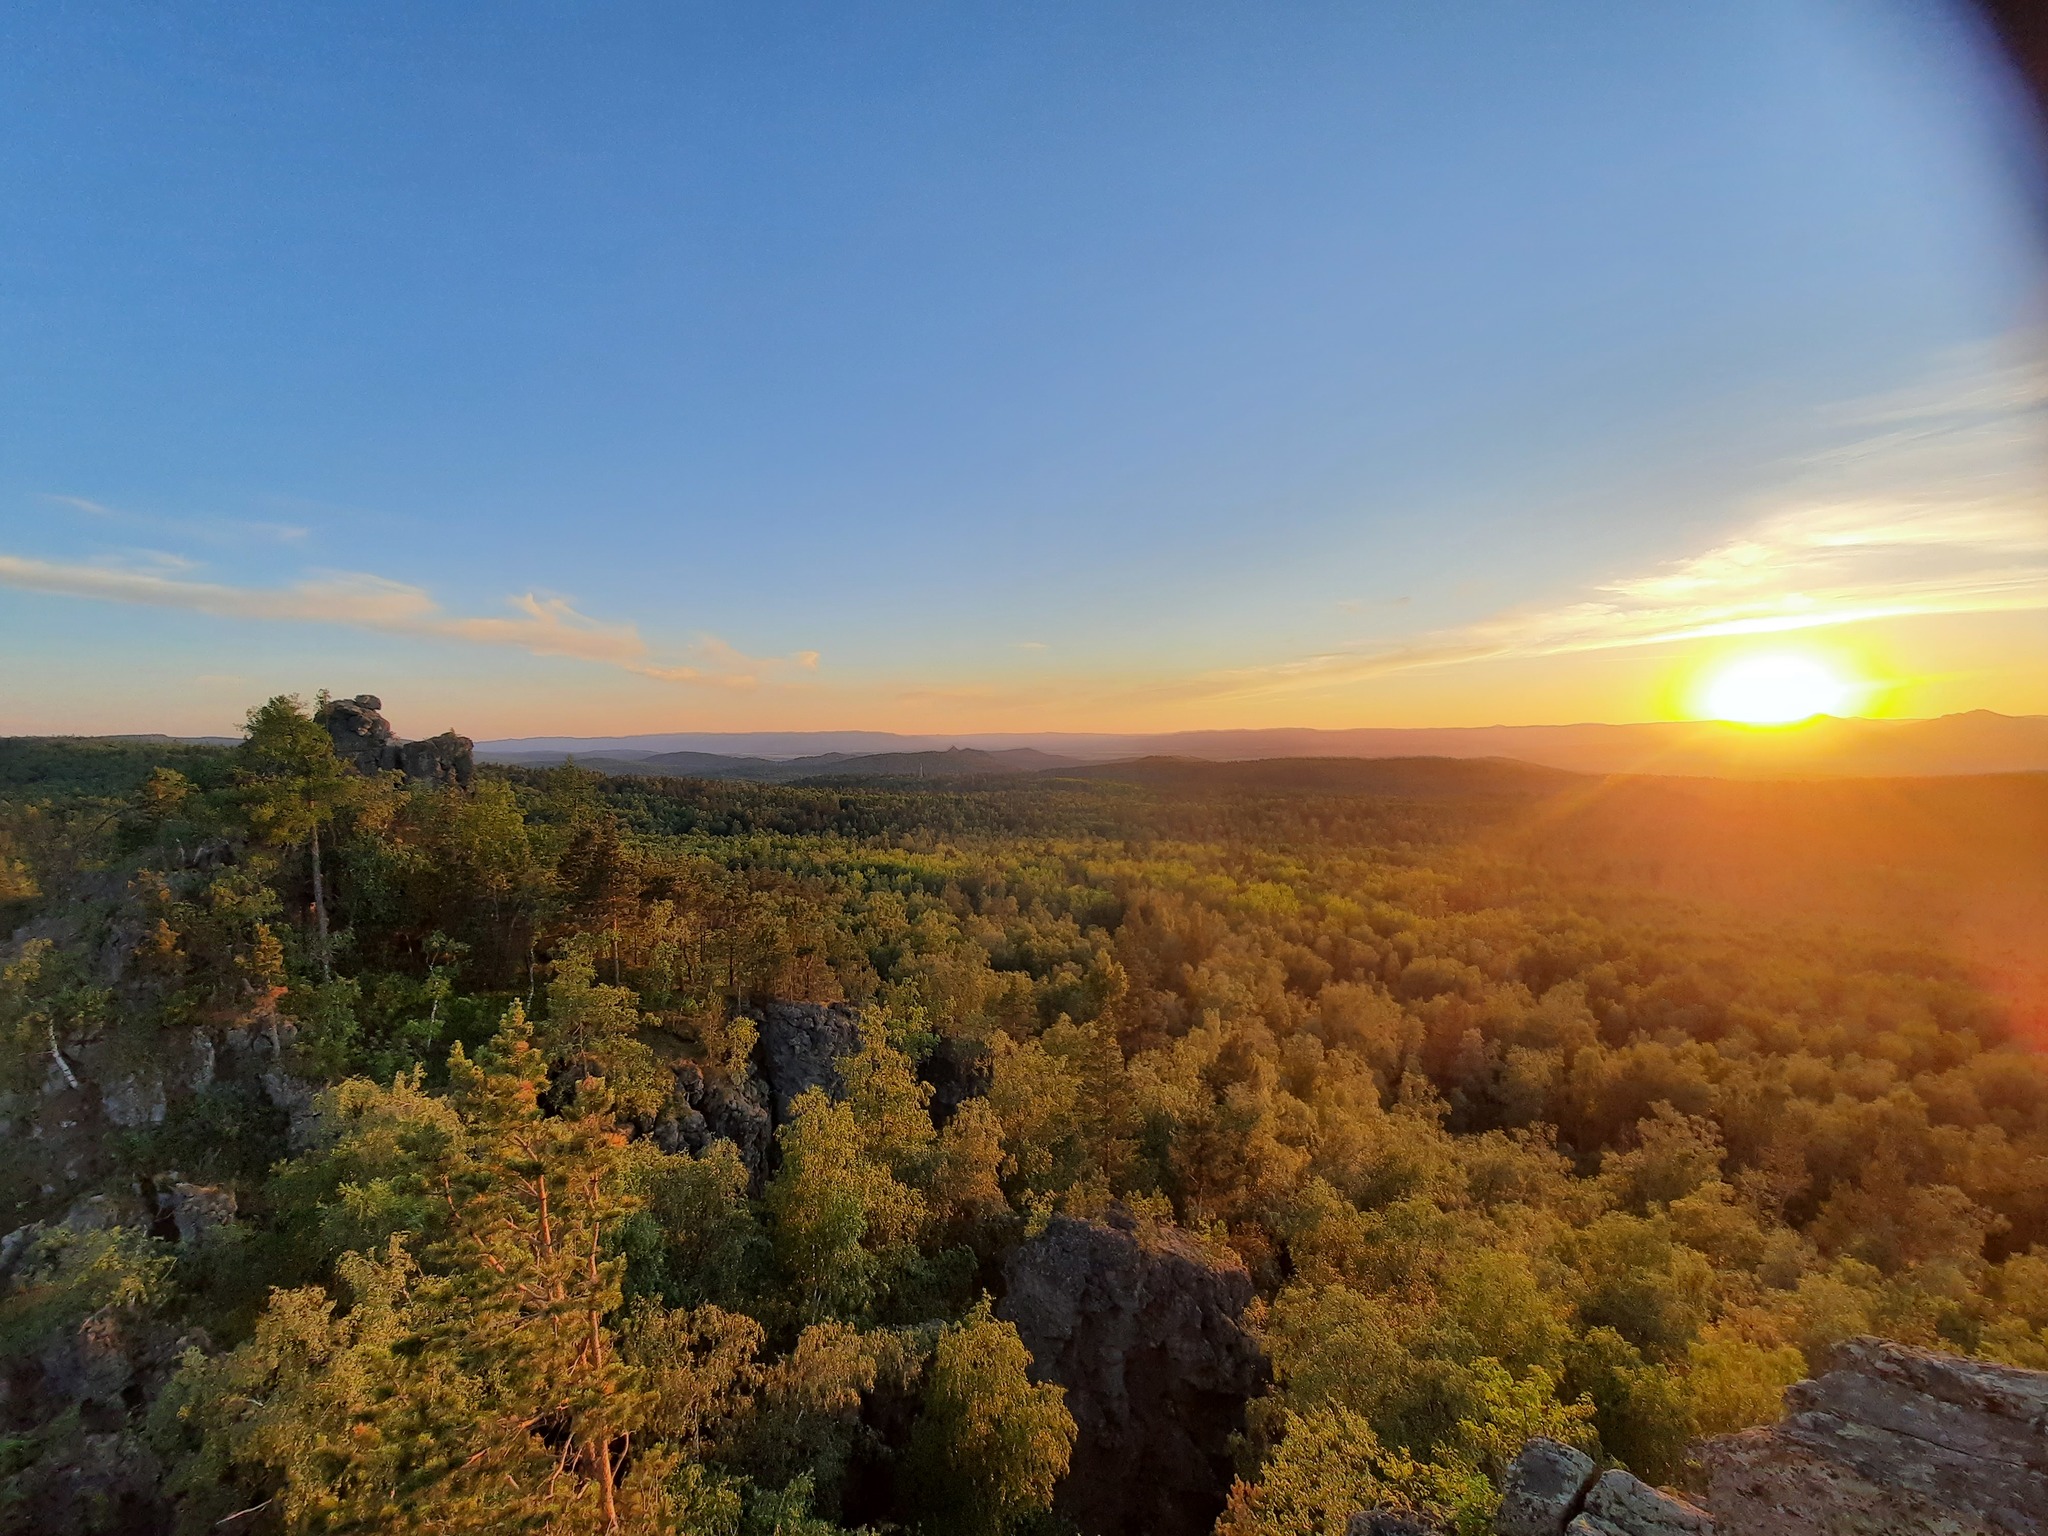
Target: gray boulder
{"type": "Point", "coordinates": [361, 735]}
{"type": "Point", "coordinates": [1544, 1488]}
{"type": "Point", "coordinates": [197, 1209]}
{"type": "Point", "coordinates": [1388, 1522]}
{"type": "Point", "coordinates": [1622, 1504]}
{"type": "Point", "coordinates": [447, 759]}
{"type": "Point", "coordinates": [133, 1100]}
{"type": "Point", "coordinates": [1145, 1333]}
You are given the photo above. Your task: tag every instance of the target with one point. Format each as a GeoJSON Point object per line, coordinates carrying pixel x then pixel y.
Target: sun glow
{"type": "Point", "coordinates": [1776, 688]}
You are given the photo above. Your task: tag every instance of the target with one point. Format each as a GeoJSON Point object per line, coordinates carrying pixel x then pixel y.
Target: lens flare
{"type": "Point", "coordinates": [1777, 688]}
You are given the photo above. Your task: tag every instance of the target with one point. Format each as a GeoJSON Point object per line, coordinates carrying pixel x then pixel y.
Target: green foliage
{"type": "Point", "coordinates": [990, 1445]}
{"type": "Point", "coordinates": [1507, 1147]}
{"type": "Point", "coordinates": [591, 1031]}
{"type": "Point", "coordinates": [842, 1221]}
{"type": "Point", "coordinates": [1331, 1465]}
{"type": "Point", "coordinates": [694, 1238]}
{"type": "Point", "coordinates": [64, 1275]}
{"type": "Point", "coordinates": [45, 995]}
{"type": "Point", "coordinates": [474, 1390]}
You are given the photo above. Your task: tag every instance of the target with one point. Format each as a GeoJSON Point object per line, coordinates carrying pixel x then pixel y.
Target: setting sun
{"type": "Point", "coordinates": [1777, 688]}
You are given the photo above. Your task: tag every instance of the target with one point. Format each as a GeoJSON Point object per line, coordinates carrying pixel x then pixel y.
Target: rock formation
{"type": "Point", "coordinates": [1544, 1489]}
{"type": "Point", "coordinates": [71, 1397]}
{"type": "Point", "coordinates": [703, 1111]}
{"type": "Point", "coordinates": [957, 1071]}
{"type": "Point", "coordinates": [1622, 1504]}
{"type": "Point", "coordinates": [446, 759]}
{"type": "Point", "coordinates": [1554, 1490]}
{"type": "Point", "coordinates": [1891, 1440]}
{"type": "Point", "coordinates": [363, 738]}
{"type": "Point", "coordinates": [1144, 1332]}
{"type": "Point", "coordinates": [1385, 1522]}
{"type": "Point", "coordinates": [195, 1211]}
{"type": "Point", "coordinates": [800, 1047]}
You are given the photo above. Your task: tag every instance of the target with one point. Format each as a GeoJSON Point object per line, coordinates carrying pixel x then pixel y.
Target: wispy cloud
{"type": "Point", "coordinates": [212, 530]}
{"type": "Point", "coordinates": [1933, 504]}
{"type": "Point", "coordinates": [540, 626]}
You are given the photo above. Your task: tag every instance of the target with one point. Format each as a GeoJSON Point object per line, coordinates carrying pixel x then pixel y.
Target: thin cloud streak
{"type": "Point", "coordinates": [211, 530]}
{"type": "Point", "coordinates": [540, 626]}
{"type": "Point", "coordinates": [1809, 571]}
{"type": "Point", "coordinates": [1935, 508]}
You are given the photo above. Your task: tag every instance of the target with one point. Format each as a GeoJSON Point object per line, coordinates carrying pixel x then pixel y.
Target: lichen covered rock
{"type": "Point", "coordinates": [1892, 1439]}
{"type": "Point", "coordinates": [1622, 1504]}
{"type": "Point", "coordinates": [1544, 1488]}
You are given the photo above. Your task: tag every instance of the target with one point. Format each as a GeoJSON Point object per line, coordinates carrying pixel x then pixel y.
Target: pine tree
{"type": "Point", "coordinates": [292, 784]}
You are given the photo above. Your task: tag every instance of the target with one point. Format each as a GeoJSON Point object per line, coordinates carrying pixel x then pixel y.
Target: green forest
{"type": "Point", "coordinates": [396, 1219]}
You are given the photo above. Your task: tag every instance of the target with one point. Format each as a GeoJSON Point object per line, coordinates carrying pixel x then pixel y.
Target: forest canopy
{"type": "Point", "coordinates": [1518, 1120]}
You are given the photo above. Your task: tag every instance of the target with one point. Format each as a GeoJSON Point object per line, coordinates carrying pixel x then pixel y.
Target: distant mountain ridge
{"type": "Point", "coordinates": [1978, 742]}
{"type": "Point", "coordinates": [951, 763]}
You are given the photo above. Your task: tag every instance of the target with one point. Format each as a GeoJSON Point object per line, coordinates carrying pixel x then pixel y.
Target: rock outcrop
{"type": "Point", "coordinates": [1144, 1331]}
{"type": "Point", "coordinates": [446, 759]}
{"type": "Point", "coordinates": [1554, 1490]}
{"type": "Point", "coordinates": [1544, 1489]}
{"type": "Point", "coordinates": [362, 736]}
{"type": "Point", "coordinates": [957, 1071]}
{"type": "Point", "coordinates": [702, 1111]}
{"type": "Point", "coordinates": [196, 1211]}
{"type": "Point", "coordinates": [800, 1047]}
{"type": "Point", "coordinates": [364, 739]}
{"type": "Point", "coordinates": [1891, 1440]}
{"type": "Point", "coordinates": [1386, 1522]}
{"type": "Point", "coordinates": [1622, 1504]}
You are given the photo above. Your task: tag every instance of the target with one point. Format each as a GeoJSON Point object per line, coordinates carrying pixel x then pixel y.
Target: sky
{"type": "Point", "coordinates": [576, 369]}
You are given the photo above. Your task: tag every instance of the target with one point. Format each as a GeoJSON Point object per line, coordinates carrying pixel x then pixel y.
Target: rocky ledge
{"type": "Point", "coordinates": [1891, 1439]}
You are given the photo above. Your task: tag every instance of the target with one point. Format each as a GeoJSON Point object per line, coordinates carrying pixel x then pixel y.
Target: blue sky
{"type": "Point", "coordinates": [558, 368]}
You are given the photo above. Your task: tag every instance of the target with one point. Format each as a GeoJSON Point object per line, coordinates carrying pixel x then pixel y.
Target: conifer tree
{"type": "Point", "coordinates": [293, 784]}
{"type": "Point", "coordinates": [476, 1388]}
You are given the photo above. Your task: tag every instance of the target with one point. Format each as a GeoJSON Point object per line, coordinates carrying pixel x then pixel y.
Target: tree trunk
{"type": "Point", "coordinates": [320, 908]}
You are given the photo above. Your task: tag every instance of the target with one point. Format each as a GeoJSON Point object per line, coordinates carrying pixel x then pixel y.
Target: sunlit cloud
{"type": "Point", "coordinates": [539, 626]}
{"type": "Point", "coordinates": [1932, 505]}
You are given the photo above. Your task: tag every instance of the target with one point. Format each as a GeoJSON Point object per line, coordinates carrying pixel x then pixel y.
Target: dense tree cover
{"type": "Point", "coordinates": [1505, 1152]}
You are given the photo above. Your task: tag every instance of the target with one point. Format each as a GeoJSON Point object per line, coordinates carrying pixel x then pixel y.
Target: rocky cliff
{"type": "Point", "coordinates": [800, 1047]}
{"type": "Point", "coordinates": [1144, 1331]}
{"type": "Point", "coordinates": [364, 738]}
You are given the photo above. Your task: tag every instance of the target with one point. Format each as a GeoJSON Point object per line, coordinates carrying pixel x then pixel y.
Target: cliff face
{"type": "Point", "coordinates": [1144, 1332]}
{"type": "Point", "coordinates": [363, 737]}
{"type": "Point", "coordinates": [1892, 1440]}
{"type": "Point", "coordinates": [801, 1046]}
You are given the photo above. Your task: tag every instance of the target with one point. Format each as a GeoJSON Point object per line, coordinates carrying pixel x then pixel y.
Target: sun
{"type": "Point", "coordinates": [1775, 688]}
